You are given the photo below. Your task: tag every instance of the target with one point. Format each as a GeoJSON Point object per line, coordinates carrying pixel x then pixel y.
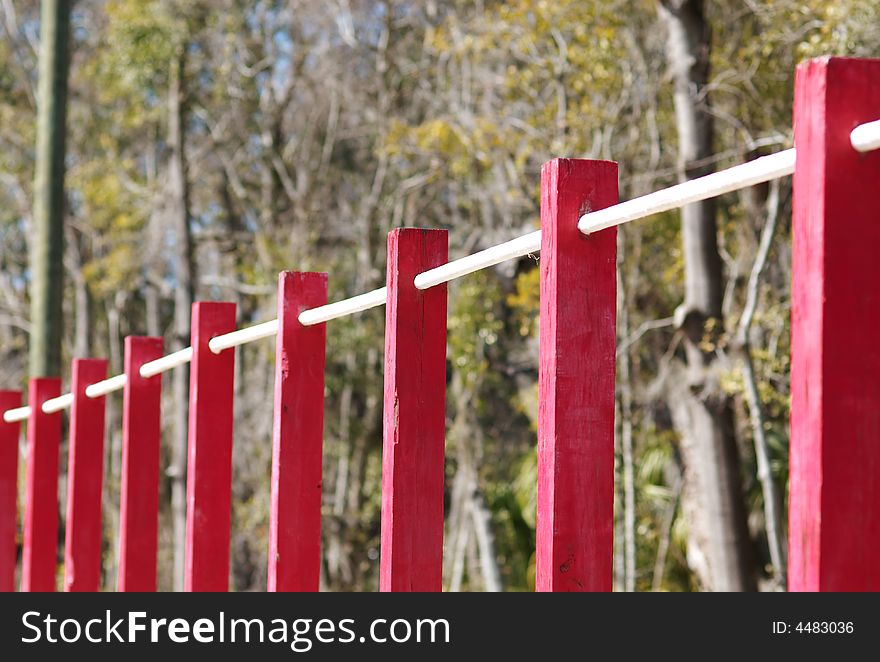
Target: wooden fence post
{"type": "Point", "coordinates": [139, 498]}
{"type": "Point", "coordinates": [209, 457]}
{"type": "Point", "coordinates": [85, 479]}
{"type": "Point", "coordinates": [9, 433]}
{"type": "Point", "coordinates": [414, 418]}
{"type": "Point", "coordinates": [576, 379]}
{"type": "Point", "coordinates": [834, 502]}
{"type": "Point", "coordinates": [297, 436]}
{"type": "Point", "coordinates": [40, 547]}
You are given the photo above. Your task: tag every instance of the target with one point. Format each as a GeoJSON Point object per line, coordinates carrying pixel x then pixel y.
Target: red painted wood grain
{"type": "Point", "coordinates": [85, 479]}
{"type": "Point", "coordinates": [209, 456]}
{"type": "Point", "coordinates": [9, 435]}
{"type": "Point", "coordinates": [414, 416]}
{"type": "Point", "coordinates": [141, 438]}
{"type": "Point", "coordinates": [297, 437]}
{"type": "Point", "coordinates": [40, 546]}
{"type": "Point", "coordinates": [576, 380]}
{"type": "Point", "coordinates": [834, 502]}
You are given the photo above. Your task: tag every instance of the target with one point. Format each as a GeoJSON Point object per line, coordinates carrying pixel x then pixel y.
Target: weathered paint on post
{"type": "Point", "coordinates": [834, 503]}
{"type": "Point", "coordinates": [141, 437]}
{"type": "Point", "coordinates": [209, 459]}
{"type": "Point", "coordinates": [414, 419]}
{"type": "Point", "coordinates": [85, 479]}
{"type": "Point", "coordinates": [297, 436]}
{"type": "Point", "coordinates": [9, 435]}
{"type": "Point", "coordinates": [40, 546]}
{"type": "Point", "coordinates": [576, 379]}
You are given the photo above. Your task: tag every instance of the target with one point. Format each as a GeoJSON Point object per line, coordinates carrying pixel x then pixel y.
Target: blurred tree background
{"type": "Point", "coordinates": [212, 144]}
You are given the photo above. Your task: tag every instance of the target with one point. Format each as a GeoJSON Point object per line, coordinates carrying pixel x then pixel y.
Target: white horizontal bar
{"type": "Point", "coordinates": [17, 414]}
{"type": "Point", "coordinates": [342, 308]}
{"type": "Point", "coordinates": [866, 137]}
{"type": "Point", "coordinates": [57, 404]}
{"type": "Point", "coordinates": [527, 243]}
{"type": "Point", "coordinates": [64, 401]}
{"type": "Point", "coordinates": [165, 363]}
{"type": "Point", "coordinates": [863, 138]}
{"type": "Point", "coordinates": [242, 336]}
{"type": "Point", "coordinates": [702, 188]}
{"type": "Point", "coordinates": [105, 387]}
{"type": "Point", "coordinates": [95, 390]}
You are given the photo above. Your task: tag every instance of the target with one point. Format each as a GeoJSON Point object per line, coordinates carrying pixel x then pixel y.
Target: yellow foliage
{"type": "Point", "coordinates": [525, 301]}
{"type": "Point", "coordinates": [115, 218]}
{"type": "Point", "coordinates": [459, 152]}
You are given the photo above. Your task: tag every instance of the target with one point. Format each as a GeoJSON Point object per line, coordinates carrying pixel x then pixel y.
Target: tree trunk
{"type": "Point", "coordinates": [719, 548]}
{"type": "Point", "coordinates": [774, 519]}
{"type": "Point", "coordinates": [183, 299]}
{"type": "Point", "coordinates": [113, 308]}
{"type": "Point", "coordinates": [625, 399]}
{"type": "Point", "coordinates": [47, 245]}
{"type": "Point", "coordinates": [82, 323]}
{"type": "Point", "coordinates": [470, 521]}
{"type": "Point", "coordinates": [482, 522]}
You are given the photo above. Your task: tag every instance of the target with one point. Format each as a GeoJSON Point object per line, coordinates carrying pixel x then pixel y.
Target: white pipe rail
{"type": "Point", "coordinates": [333, 311]}
{"type": "Point", "coordinates": [309, 317]}
{"type": "Point", "coordinates": [527, 243]}
{"type": "Point", "coordinates": [718, 183]}
{"type": "Point", "coordinates": [864, 138]}
{"type": "Point", "coordinates": [105, 387]}
{"type": "Point", "coordinates": [242, 336]}
{"type": "Point", "coordinates": [57, 404]}
{"type": "Point", "coordinates": [17, 415]}
{"type": "Point", "coordinates": [710, 186]}
{"type": "Point", "coordinates": [165, 363]}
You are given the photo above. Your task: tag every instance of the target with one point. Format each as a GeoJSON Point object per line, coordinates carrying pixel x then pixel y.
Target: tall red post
{"type": "Point", "coordinates": [85, 479]}
{"type": "Point", "coordinates": [139, 499]}
{"type": "Point", "coordinates": [576, 379]}
{"type": "Point", "coordinates": [9, 433]}
{"type": "Point", "coordinates": [414, 420]}
{"type": "Point", "coordinates": [40, 547]}
{"type": "Point", "coordinates": [297, 436]}
{"type": "Point", "coordinates": [209, 457]}
{"type": "Point", "coordinates": [834, 502]}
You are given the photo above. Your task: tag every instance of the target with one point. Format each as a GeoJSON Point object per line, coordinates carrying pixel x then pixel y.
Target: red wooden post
{"type": "Point", "coordinates": [834, 503]}
{"type": "Point", "coordinates": [297, 436]}
{"type": "Point", "coordinates": [209, 458]}
{"type": "Point", "coordinates": [85, 479]}
{"type": "Point", "coordinates": [139, 499]}
{"type": "Point", "coordinates": [414, 419]}
{"type": "Point", "coordinates": [576, 379]}
{"type": "Point", "coordinates": [40, 548]}
{"type": "Point", "coordinates": [8, 490]}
